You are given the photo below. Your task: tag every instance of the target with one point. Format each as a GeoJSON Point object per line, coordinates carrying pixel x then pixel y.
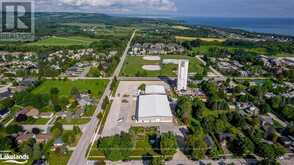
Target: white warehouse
{"type": "Point", "coordinates": [153, 107]}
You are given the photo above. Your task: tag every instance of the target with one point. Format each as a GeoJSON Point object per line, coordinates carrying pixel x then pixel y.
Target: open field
{"type": "Point", "coordinates": [180, 27]}
{"type": "Point", "coordinates": [32, 121]}
{"type": "Point", "coordinates": [203, 49]}
{"type": "Point", "coordinates": [58, 159]}
{"type": "Point", "coordinates": [184, 38]}
{"type": "Point", "coordinates": [133, 66]}
{"type": "Point", "coordinates": [64, 41]}
{"type": "Point", "coordinates": [95, 86]}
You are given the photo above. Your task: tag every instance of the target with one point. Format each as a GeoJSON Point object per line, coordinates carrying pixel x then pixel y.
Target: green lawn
{"type": "Point", "coordinates": [30, 121]}
{"type": "Point", "coordinates": [58, 159]}
{"type": "Point", "coordinates": [64, 41]}
{"type": "Point", "coordinates": [74, 121]}
{"type": "Point", "coordinates": [133, 66]}
{"type": "Point", "coordinates": [203, 49]}
{"type": "Point", "coordinates": [96, 87]}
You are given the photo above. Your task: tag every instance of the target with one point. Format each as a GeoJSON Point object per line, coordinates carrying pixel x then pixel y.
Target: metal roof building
{"type": "Point", "coordinates": [153, 108]}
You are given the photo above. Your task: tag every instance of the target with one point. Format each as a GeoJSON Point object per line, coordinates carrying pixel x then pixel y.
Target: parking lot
{"type": "Point", "coordinates": [123, 107]}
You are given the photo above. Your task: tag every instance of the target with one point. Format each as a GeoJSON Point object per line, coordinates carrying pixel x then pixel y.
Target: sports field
{"type": "Point", "coordinates": [133, 66]}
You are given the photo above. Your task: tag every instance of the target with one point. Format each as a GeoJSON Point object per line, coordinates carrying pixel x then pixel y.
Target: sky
{"type": "Point", "coordinates": [196, 8]}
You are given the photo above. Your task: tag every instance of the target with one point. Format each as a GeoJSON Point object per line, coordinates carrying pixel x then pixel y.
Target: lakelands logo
{"type": "Point", "coordinates": [17, 20]}
{"type": "Point", "coordinates": [9, 157]}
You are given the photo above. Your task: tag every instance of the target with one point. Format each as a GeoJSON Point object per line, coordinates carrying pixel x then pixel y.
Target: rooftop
{"type": "Point", "coordinates": [154, 106]}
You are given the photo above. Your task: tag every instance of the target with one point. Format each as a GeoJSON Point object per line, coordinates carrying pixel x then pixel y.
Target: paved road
{"type": "Point", "coordinates": [78, 157]}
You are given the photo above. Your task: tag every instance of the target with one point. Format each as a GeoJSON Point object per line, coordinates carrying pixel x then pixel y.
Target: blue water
{"type": "Point", "coordinates": [284, 26]}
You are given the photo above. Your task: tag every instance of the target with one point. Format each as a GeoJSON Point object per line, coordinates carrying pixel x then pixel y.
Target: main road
{"type": "Point", "coordinates": [78, 157]}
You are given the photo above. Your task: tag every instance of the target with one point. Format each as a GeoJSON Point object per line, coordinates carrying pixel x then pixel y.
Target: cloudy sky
{"type": "Point", "coordinates": [219, 8]}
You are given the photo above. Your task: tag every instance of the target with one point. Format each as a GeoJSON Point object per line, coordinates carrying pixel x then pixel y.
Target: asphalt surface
{"type": "Point", "coordinates": [78, 157]}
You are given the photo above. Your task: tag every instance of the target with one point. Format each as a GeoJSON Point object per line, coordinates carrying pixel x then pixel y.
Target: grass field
{"type": "Point", "coordinates": [31, 121]}
{"type": "Point", "coordinates": [96, 87]}
{"type": "Point", "coordinates": [74, 121]}
{"type": "Point", "coordinates": [133, 66]}
{"type": "Point", "coordinates": [58, 159]}
{"type": "Point", "coordinates": [64, 41]}
{"type": "Point", "coordinates": [180, 27]}
{"type": "Point", "coordinates": [203, 49]}
{"type": "Point", "coordinates": [184, 38]}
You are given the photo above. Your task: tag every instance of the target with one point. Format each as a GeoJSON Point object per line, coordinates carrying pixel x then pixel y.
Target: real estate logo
{"type": "Point", "coordinates": [17, 20]}
{"type": "Point", "coordinates": [9, 157]}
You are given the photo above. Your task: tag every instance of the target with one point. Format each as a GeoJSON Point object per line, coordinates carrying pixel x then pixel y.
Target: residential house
{"type": "Point", "coordinates": [4, 113]}
{"type": "Point", "coordinates": [32, 112]}
{"type": "Point", "coordinates": [84, 100]}
{"type": "Point", "coordinates": [5, 92]}
{"type": "Point", "coordinates": [58, 143]}
{"type": "Point", "coordinates": [43, 138]}
{"type": "Point", "coordinates": [208, 140]}
{"type": "Point", "coordinates": [23, 137]}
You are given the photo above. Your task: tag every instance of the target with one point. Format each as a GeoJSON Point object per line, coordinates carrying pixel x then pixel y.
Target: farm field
{"type": "Point", "coordinates": [133, 66]}
{"type": "Point", "coordinates": [64, 41]}
{"type": "Point", "coordinates": [184, 38]}
{"type": "Point", "coordinates": [203, 49]}
{"type": "Point", "coordinates": [95, 86]}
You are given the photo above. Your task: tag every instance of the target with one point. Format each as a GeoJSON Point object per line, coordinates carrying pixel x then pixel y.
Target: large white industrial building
{"type": "Point", "coordinates": [153, 106]}
{"type": "Point", "coordinates": [183, 67]}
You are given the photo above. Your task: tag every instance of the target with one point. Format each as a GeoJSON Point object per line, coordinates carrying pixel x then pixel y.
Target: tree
{"type": "Point", "coordinates": [116, 147]}
{"type": "Point", "coordinates": [75, 92]}
{"type": "Point", "coordinates": [37, 152]}
{"type": "Point", "coordinates": [5, 144]}
{"type": "Point", "coordinates": [276, 102]}
{"type": "Point", "coordinates": [57, 129]}
{"type": "Point", "coordinates": [196, 147]}
{"type": "Point", "coordinates": [13, 128]}
{"type": "Point", "coordinates": [142, 87]}
{"type": "Point", "coordinates": [36, 131]}
{"type": "Point", "coordinates": [54, 91]}
{"type": "Point", "coordinates": [184, 109]}
{"type": "Point", "coordinates": [76, 130]}
{"type": "Point", "coordinates": [288, 112]}
{"type": "Point", "coordinates": [105, 103]}
{"type": "Point", "coordinates": [241, 146]}
{"type": "Point", "coordinates": [157, 161]}
{"type": "Point", "coordinates": [21, 118]}
{"type": "Point", "coordinates": [168, 144]}
{"type": "Point", "coordinates": [265, 108]}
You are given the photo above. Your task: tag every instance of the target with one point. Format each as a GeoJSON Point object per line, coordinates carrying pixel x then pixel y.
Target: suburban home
{"type": "Point", "coordinates": [23, 137]}
{"type": "Point", "coordinates": [32, 112]}
{"type": "Point", "coordinates": [208, 140]}
{"type": "Point", "coordinates": [224, 138]}
{"type": "Point", "coordinates": [43, 138]}
{"type": "Point", "coordinates": [4, 113]}
{"type": "Point", "coordinates": [58, 143]}
{"type": "Point", "coordinates": [5, 92]}
{"type": "Point", "coordinates": [84, 99]}
{"type": "Point", "coordinates": [27, 82]}
{"type": "Point", "coordinates": [266, 120]}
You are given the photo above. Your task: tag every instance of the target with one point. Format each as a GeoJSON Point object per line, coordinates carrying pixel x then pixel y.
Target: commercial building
{"type": "Point", "coordinates": [153, 106]}
{"type": "Point", "coordinates": [183, 67]}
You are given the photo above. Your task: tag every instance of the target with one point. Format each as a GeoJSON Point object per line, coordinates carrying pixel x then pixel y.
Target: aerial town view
{"type": "Point", "coordinates": [147, 82]}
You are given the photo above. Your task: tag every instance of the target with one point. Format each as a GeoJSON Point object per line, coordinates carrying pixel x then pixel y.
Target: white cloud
{"type": "Point", "coordinates": [161, 5]}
